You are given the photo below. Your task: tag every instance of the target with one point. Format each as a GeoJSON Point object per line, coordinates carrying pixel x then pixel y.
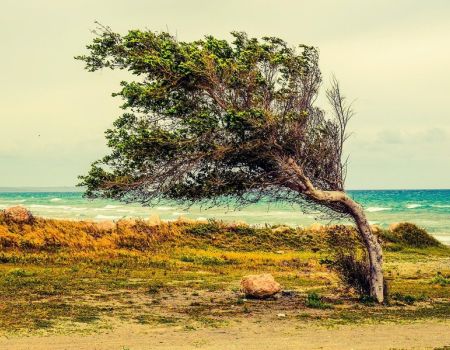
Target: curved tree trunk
{"type": "Point", "coordinates": [373, 249]}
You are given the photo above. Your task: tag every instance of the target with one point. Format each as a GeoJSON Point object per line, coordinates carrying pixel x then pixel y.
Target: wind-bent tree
{"type": "Point", "coordinates": [212, 120]}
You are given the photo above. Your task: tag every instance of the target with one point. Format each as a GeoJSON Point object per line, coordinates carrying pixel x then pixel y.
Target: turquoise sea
{"type": "Point", "coordinates": [427, 208]}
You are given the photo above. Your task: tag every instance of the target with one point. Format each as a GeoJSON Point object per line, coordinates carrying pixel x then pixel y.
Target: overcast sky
{"type": "Point", "coordinates": [391, 57]}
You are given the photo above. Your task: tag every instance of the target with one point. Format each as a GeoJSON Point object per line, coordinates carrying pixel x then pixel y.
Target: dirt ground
{"type": "Point", "coordinates": [283, 335]}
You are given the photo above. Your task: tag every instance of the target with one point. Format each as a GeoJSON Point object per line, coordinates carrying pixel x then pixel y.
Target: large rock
{"type": "Point", "coordinates": [19, 215]}
{"type": "Point", "coordinates": [260, 286]}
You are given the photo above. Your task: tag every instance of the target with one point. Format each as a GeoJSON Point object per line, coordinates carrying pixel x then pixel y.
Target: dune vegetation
{"type": "Point", "coordinates": [60, 276]}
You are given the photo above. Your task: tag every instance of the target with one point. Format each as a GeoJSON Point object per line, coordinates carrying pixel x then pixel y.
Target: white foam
{"type": "Point", "coordinates": [55, 199]}
{"type": "Point", "coordinates": [109, 206]}
{"type": "Point", "coordinates": [41, 206]}
{"type": "Point", "coordinates": [413, 206]}
{"type": "Point", "coordinates": [441, 206]}
{"type": "Point", "coordinates": [374, 209]}
{"type": "Point", "coordinates": [442, 238]}
{"type": "Point", "coordinates": [164, 208]}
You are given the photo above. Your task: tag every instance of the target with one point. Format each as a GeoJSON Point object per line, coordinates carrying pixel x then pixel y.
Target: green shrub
{"type": "Point", "coordinates": [349, 261]}
{"type": "Point", "coordinates": [314, 300]}
{"type": "Point", "coordinates": [414, 236]}
{"type": "Point", "coordinates": [441, 280]}
{"type": "Point", "coordinates": [407, 298]}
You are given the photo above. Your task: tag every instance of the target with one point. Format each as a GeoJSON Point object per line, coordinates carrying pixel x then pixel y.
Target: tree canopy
{"type": "Point", "coordinates": [212, 119]}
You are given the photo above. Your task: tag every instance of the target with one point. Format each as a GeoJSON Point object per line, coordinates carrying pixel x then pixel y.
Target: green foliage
{"type": "Point", "coordinates": [407, 298]}
{"type": "Point", "coordinates": [210, 119]}
{"type": "Point", "coordinates": [441, 279]}
{"type": "Point", "coordinates": [314, 300]}
{"type": "Point", "coordinates": [414, 236]}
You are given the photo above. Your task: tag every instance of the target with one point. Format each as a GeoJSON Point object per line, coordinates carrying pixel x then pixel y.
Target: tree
{"type": "Point", "coordinates": [214, 121]}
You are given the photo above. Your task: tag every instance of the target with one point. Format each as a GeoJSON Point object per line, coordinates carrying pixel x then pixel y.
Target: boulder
{"type": "Point", "coordinates": [19, 215]}
{"type": "Point", "coordinates": [260, 286]}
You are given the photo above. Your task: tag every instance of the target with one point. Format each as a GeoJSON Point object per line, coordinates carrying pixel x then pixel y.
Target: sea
{"type": "Point", "coordinates": [429, 209]}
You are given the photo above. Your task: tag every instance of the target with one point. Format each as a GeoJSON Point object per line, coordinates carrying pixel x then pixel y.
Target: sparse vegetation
{"type": "Point", "coordinates": [441, 279]}
{"type": "Point", "coordinates": [314, 300]}
{"type": "Point", "coordinates": [56, 274]}
{"type": "Point", "coordinates": [350, 261]}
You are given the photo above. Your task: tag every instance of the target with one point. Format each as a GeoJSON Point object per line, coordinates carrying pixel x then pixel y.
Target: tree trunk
{"type": "Point", "coordinates": [305, 187]}
{"type": "Point", "coordinates": [373, 249]}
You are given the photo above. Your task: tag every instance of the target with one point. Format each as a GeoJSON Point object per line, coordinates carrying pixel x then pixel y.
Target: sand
{"type": "Point", "coordinates": [283, 335]}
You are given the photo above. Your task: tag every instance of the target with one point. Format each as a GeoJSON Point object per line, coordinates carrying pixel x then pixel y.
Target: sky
{"type": "Point", "coordinates": [392, 59]}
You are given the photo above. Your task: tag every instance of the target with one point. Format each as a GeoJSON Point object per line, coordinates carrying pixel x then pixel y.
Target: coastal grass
{"type": "Point", "coordinates": [61, 276]}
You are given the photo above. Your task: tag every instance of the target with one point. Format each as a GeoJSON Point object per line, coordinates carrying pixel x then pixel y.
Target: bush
{"type": "Point", "coordinates": [314, 301]}
{"type": "Point", "coordinates": [441, 280]}
{"type": "Point", "coordinates": [354, 272]}
{"type": "Point", "coordinates": [349, 260]}
{"type": "Point", "coordinates": [414, 236]}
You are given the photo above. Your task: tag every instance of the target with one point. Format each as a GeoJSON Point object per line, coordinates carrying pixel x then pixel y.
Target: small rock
{"type": "Point", "coordinates": [19, 215]}
{"type": "Point", "coordinates": [260, 286]}
{"type": "Point", "coordinates": [279, 252]}
{"type": "Point", "coordinates": [281, 315]}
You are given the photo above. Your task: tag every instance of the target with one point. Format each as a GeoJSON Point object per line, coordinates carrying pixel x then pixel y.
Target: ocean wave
{"type": "Point", "coordinates": [164, 208]}
{"type": "Point", "coordinates": [444, 238]}
{"type": "Point", "coordinates": [63, 207]}
{"type": "Point", "coordinates": [55, 199]}
{"type": "Point", "coordinates": [178, 213]}
{"type": "Point", "coordinates": [413, 206]}
{"type": "Point", "coordinates": [374, 209]}
{"type": "Point", "coordinates": [441, 205]}
{"type": "Point", "coordinates": [41, 206]}
{"type": "Point", "coordinates": [109, 206]}
{"type": "Point", "coordinates": [125, 211]}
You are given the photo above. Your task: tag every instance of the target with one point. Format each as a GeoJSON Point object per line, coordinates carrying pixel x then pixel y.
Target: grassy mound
{"type": "Point", "coordinates": [411, 235]}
